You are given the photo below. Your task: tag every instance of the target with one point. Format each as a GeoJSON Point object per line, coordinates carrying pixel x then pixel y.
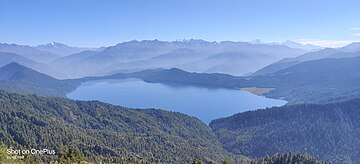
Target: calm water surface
{"type": "Point", "coordinates": [204, 103]}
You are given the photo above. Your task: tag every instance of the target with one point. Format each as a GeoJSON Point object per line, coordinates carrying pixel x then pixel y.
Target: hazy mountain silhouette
{"type": "Point", "coordinates": [61, 49]}
{"type": "Point", "coordinates": [7, 58]}
{"type": "Point", "coordinates": [187, 54]}
{"type": "Point", "coordinates": [17, 78]}
{"type": "Point", "coordinates": [351, 50]}
{"type": "Point", "coordinates": [28, 52]}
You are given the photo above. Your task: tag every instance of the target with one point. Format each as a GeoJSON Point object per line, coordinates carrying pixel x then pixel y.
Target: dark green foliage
{"type": "Point", "coordinates": [225, 162]}
{"type": "Point", "coordinates": [288, 158]}
{"type": "Point", "coordinates": [328, 132]}
{"type": "Point", "coordinates": [3, 152]}
{"type": "Point", "coordinates": [197, 161]}
{"type": "Point", "coordinates": [105, 132]}
{"type": "Point", "coordinates": [71, 154]}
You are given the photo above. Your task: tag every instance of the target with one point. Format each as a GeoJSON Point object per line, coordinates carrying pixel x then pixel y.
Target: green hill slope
{"type": "Point", "coordinates": [103, 131]}
{"type": "Point", "coordinates": [328, 132]}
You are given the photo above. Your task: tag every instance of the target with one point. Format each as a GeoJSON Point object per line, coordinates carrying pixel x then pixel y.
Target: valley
{"type": "Point", "coordinates": [199, 115]}
{"type": "Point", "coordinates": [179, 82]}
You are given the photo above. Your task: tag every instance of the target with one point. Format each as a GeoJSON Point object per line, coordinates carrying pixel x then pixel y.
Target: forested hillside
{"type": "Point", "coordinates": [328, 132]}
{"type": "Point", "coordinates": [180, 77]}
{"type": "Point", "coordinates": [101, 131]}
{"type": "Point", "coordinates": [323, 80]}
{"type": "Point", "coordinates": [288, 158]}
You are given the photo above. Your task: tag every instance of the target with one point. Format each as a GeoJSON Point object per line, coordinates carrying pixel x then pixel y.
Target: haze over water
{"type": "Point", "coordinates": [204, 103]}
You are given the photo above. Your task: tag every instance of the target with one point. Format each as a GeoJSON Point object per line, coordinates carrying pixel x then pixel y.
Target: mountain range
{"type": "Point", "coordinates": [242, 134]}
{"type": "Point", "coordinates": [321, 80]}
{"type": "Point", "coordinates": [94, 119]}
{"type": "Point", "coordinates": [190, 55]}
{"type": "Point", "coordinates": [28, 52]}
{"type": "Point", "coordinates": [291, 44]}
{"type": "Point", "coordinates": [194, 55]}
{"type": "Point", "coordinates": [351, 50]}
{"type": "Point", "coordinates": [61, 49]}
{"type": "Point", "coordinates": [322, 88]}
{"type": "Point", "coordinates": [316, 81]}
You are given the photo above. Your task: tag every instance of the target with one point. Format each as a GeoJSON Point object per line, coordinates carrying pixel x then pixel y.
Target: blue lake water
{"type": "Point", "coordinates": [204, 103]}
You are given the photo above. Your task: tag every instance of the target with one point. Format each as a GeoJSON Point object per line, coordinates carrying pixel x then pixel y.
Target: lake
{"type": "Point", "coordinates": [204, 103]}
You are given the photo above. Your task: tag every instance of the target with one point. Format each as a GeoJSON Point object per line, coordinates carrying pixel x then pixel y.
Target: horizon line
{"type": "Point", "coordinates": [323, 43]}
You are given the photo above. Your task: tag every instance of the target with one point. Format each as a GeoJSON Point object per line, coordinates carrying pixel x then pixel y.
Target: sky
{"type": "Point", "coordinates": [94, 23]}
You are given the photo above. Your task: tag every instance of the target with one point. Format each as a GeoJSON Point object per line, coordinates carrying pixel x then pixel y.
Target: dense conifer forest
{"type": "Point", "coordinates": [326, 131]}
{"type": "Point", "coordinates": [99, 131]}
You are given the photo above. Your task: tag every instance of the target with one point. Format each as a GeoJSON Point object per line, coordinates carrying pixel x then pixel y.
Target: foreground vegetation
{"type": "Point", "coordinates": [103, 132]}
{"type": "Point", "coordinates": [96, 131]}
{"type": "Point", "coordinates": [327, 131]}
{"type": "Point", "coordinates": [288, 158]}
{"type": "Point", "coordinates": [92, 132]}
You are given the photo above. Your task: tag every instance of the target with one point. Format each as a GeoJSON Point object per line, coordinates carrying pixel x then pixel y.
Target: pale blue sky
{"type": "Point", "coordinates": [107, 22]}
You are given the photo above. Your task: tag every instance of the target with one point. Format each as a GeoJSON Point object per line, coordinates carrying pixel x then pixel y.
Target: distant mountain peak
{"type": "Point", "coordinates": [297, 45]}
{"type": "Point", "coordinates": [257, 41]}
{"type": "Point", "coordinates": [290, 42]}
{"type": "Point", "coordinates": [354, 45]}
{"type": "Point", "coordinates": [61, 49]}
{"type": "Point", "coordinates": [53, 45]}
{"type": "Point", "coordinates": [14, 66]}
{"type": "Point", "coordinates": [190, 40]}
{"type": "Point", "coordinates": [13, 71]}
